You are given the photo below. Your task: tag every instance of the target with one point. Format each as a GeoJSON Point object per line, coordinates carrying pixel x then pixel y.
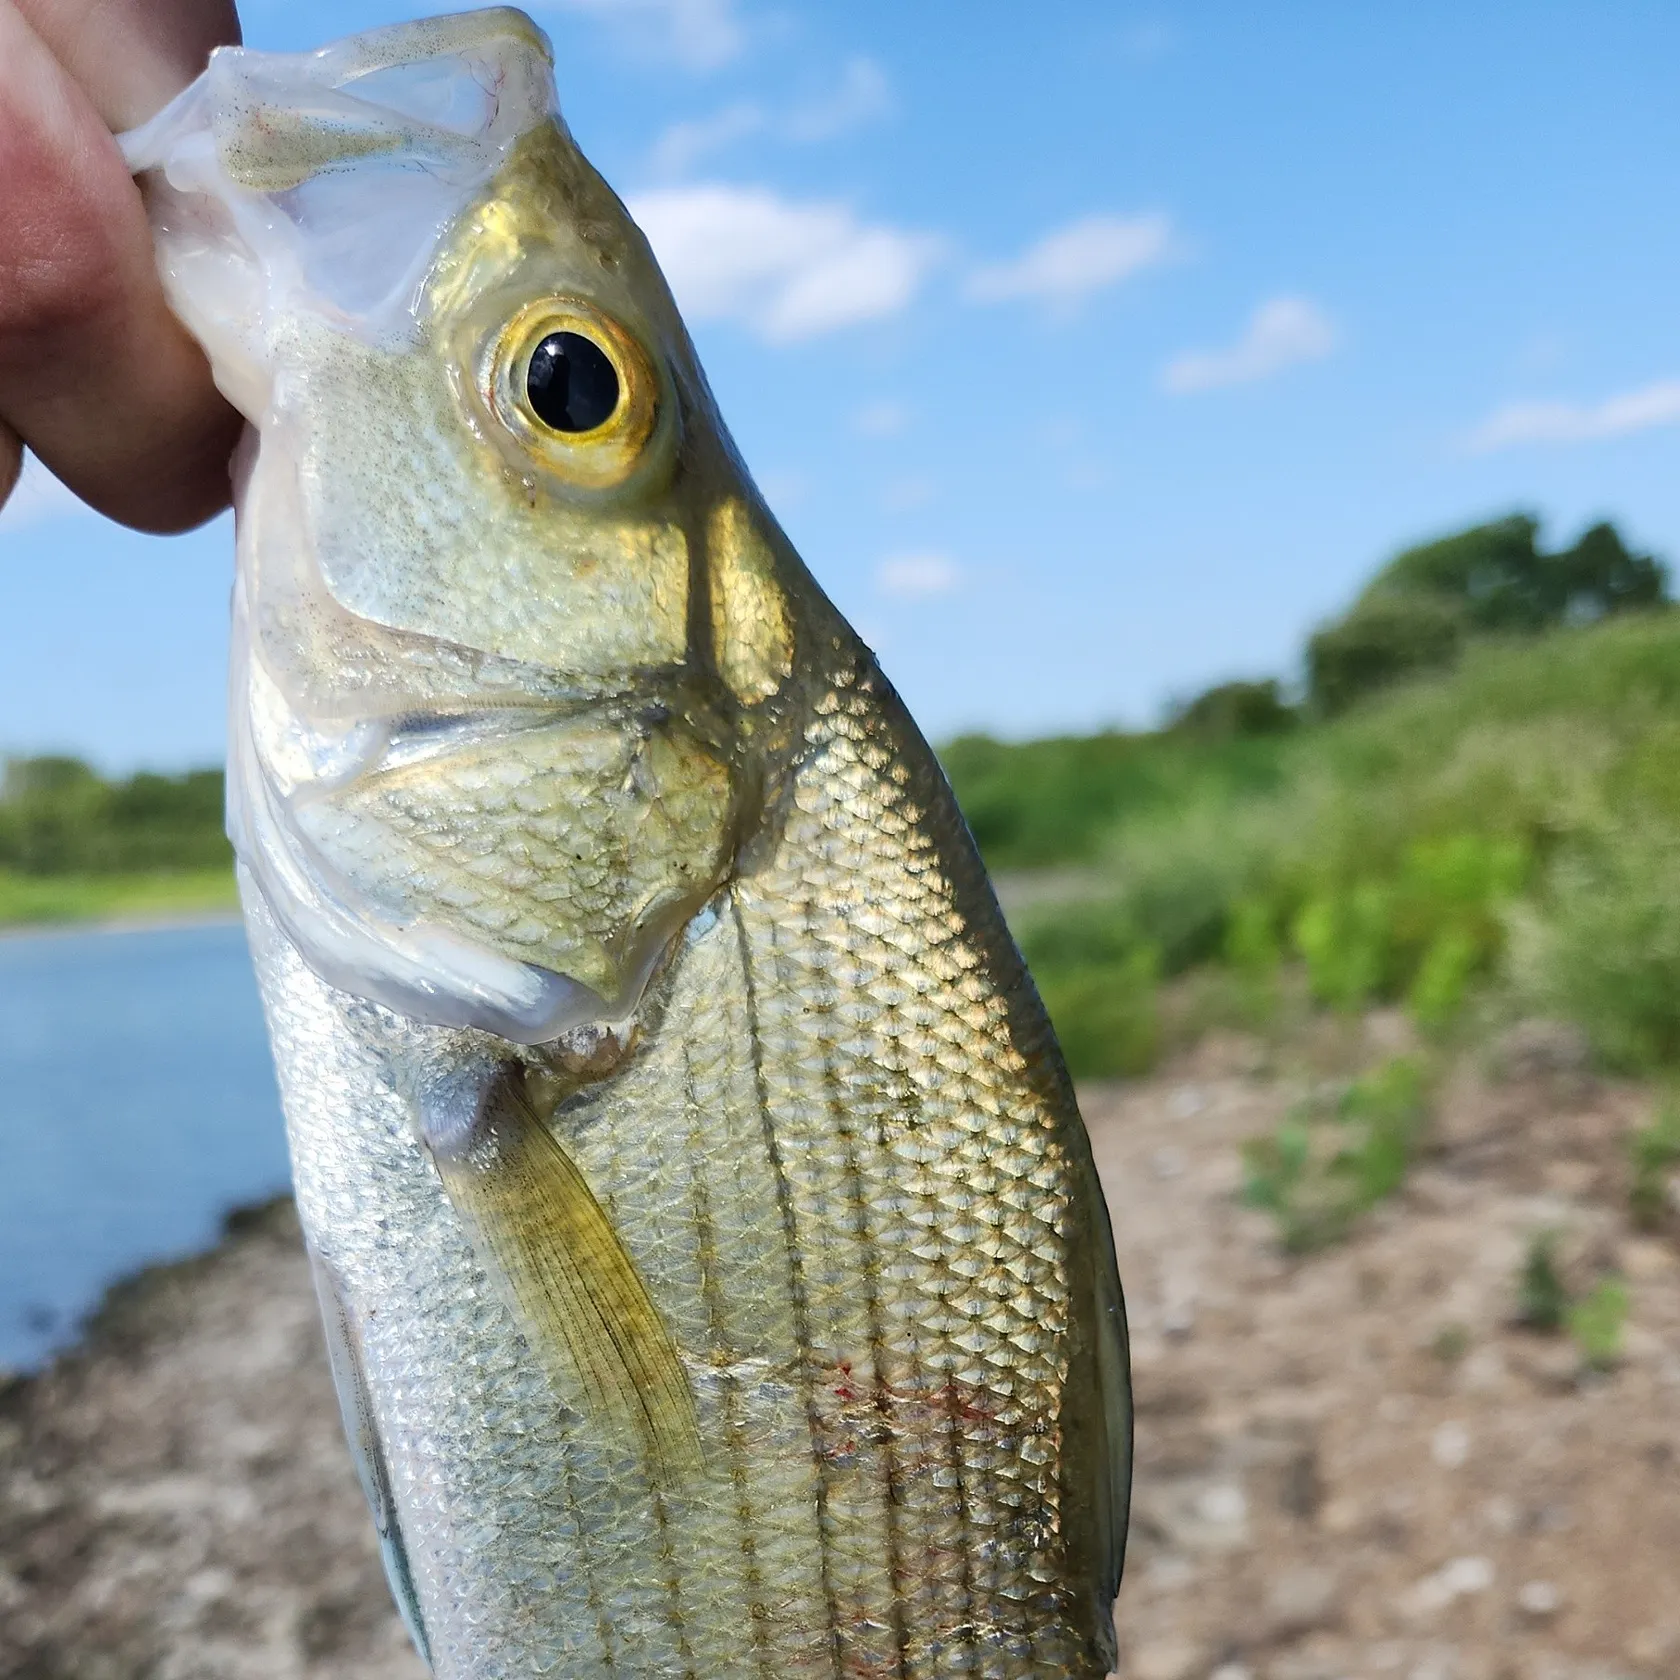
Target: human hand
{"type": "Point", "coordinates": [96, 376]}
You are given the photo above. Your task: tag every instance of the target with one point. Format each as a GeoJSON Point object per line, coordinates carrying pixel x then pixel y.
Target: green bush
{"type": "Point", "coordinates": [1604, 948]}
{"type": "Point", "coordinates": [1442, 981]}
{"type": "Point", "coordinates": [1542, 1299]}
{"type": "Point", "coordinates": [1510, 829]}
{"type": "Point", "coordinates": [1381, 641]}
{"type": "Point", "coordinates": [58, 817]}
{"type": "Point", "coordinates": [1237, 708]}
{"type": "Point", "coordinates": [1344, 939]}
{"type": "Point", "coordinates": [1328, 1163]}
{"type": "Point", "coordinates": [1416, 613]}
{"type": "Point", "coordinates": [1035, 804]}
{"type": "Point", "coordinates": [1494, 574]}
{"type": "Point", "coordinates": [1653, 1152]}
{"type": "Point", "coordinates": [1105, 1014]}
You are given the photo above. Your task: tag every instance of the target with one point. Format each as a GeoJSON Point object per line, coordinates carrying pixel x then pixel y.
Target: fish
{"type": "Point", "coordinates": [715, 1274]}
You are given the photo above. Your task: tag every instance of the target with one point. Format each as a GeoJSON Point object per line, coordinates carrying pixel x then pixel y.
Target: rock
{"type": "Point", "coordinates": [1539, 1599]}
{"type": "Point", "coordinates": [1554, 1367]}
{"type": "Point", "coordinates": [1194, 1515]}
{"type": "Point", "coordinates": [1539, 1049]}
{"type": "Point", "coordinates": [1167, 1162]}
{"type": "Point", "coordinates": [1186, 1102]}
{"type": "Point", "coordinates": [1300, 1600]}
{"type": "Point", "coordinates": [1449, 1446]}
{"type": "Point", "coordinates": [1452, 1581]}
{"type": "Point", "coordinates": [1164, 1659]}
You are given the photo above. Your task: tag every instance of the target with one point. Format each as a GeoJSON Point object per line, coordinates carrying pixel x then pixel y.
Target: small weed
{"type": "Point", "coordinates": [1542, 1299]}
{"type": "Point", "coordinates": [1596, 1321]}
{"type": "Point", "coordinates": [1452, 1342]}
{"type": "Point", "coordinates": [1653, 1151]}
{"type": "Point", "coordinates": [1327, 1164]}
{"type": "Point", "coordinates": [1345, 940]}
{"type": "Point", "coordinates": [1443, 978]}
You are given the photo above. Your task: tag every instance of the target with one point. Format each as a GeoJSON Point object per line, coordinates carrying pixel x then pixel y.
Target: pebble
{"type": "Point", "coordinates": [1301, 1599]}
{"type": "Point", "coordinates": [1450, 1445]}
{"type": "Point", "coordinates": [1538, 1599]}
{"type": "Point", "coordinates": [1225, 1505]}
{"type": "Point", "coordinates": [1168, 1163]}
{"type": "Point", "coordinates": [1452, 1581]}
{"type": "Point", "coordinates": [1164, 1659]}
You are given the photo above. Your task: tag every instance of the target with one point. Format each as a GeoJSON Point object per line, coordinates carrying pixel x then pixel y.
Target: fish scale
{"type": "Point", "coordinates": [715, 1271]}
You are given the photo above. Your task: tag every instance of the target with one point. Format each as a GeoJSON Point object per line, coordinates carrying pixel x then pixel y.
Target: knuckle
{"type": "Point", "coordinates": [61, 263]}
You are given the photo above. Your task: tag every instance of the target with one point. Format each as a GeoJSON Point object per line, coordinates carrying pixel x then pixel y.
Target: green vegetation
{"type": "Point", "coordinates": [1473, 814]}
{"type": "Point", "coordinates": [1451, 1343]}
{"type": "Point", "coordinates": [1542, 1299]}
{"type": "Point", "coordinates": [1596, 1322]}
{"type": "Point", "coordinates": [74, 846]}
{"type": "Point", "coordinates": [1333, 1159]}
{"type": "Point", "coordinates": [1418, 612]}
{"type": "Point", "coordinates": [1654, 1152]}
{"type": "Point", "coordinates": [1494, 838]}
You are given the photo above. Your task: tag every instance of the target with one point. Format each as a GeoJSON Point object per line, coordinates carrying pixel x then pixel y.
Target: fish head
{"type": "Point", "coordinates": [518, 645]}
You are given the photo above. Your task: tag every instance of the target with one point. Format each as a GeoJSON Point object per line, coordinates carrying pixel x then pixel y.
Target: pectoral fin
{"type": "Point", "coordinates": [567, 1275]}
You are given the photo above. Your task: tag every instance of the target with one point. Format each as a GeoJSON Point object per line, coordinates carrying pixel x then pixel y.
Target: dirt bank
{"type": "Point", "coordinates": [1350, 1466]}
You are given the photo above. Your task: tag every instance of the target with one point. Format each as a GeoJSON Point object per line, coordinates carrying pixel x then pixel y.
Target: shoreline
{"type": "Point", "coordinates": [160, 923]}
{"type": "Point", "coordinates": [1336, 1452]}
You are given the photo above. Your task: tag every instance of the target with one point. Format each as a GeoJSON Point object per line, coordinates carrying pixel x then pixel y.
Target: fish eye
{"type": "Point", "coordinates": [576, 389]}
{"type": "Point", "coordinates": [572, 383]}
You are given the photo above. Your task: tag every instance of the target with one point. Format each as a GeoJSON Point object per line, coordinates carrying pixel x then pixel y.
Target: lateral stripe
{"type": "Point", "coordinates": [869, 1265]}
{"type": "Point", "coordinates": [711, 1290]}
{"type": "Point", "coordinates": [797, 1293]}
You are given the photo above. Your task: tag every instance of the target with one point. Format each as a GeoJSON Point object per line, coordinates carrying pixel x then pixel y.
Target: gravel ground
{"type": "Point", "coordinates": [1350, 1467]}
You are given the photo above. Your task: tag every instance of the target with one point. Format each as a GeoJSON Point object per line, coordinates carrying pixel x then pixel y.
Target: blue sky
{"type": "Point", "coordinates": [1090, 355]}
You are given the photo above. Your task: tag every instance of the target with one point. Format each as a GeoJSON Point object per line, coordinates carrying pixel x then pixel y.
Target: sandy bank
{"type": "Point", "coordinates": [1350, 1467]}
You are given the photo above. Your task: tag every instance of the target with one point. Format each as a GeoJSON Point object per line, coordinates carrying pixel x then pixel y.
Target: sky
{"type": "Point", "coordinates": [1090, 355]}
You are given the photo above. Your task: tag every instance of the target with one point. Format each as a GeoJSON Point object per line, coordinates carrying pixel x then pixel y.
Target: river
{"type": "Point", "coordinates": [137, 1105]}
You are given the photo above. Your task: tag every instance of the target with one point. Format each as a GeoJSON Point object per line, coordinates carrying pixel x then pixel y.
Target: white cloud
{"type": "Point", "coordinates": [917, 577]}
{"type": "Point", "coordinates": [39, 497]}
{"type": "Point", "coordinates": [1280, 333]}
{"type": "Point", "coordinates": [785, 270]}
{"type": "Point", "coordinates": [684, 144]}
{"type": "Point", "coordinates": [1657, 404]}
{"type": "Point", "coordinates": [885, 418]}
{"type": "Point", "coordinates": [1068, 265]}
{"type": "Point", "coordinates": [863, 95]}
{"type": "Point", "coordinates": [699, 34]}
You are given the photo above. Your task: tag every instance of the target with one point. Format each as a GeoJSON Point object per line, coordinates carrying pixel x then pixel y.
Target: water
{"type": "Point", "coordinates": [137, 1105]}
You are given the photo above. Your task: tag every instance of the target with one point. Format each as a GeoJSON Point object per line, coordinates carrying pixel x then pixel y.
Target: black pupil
{"type": "Point", "coordinates": [572, 383]}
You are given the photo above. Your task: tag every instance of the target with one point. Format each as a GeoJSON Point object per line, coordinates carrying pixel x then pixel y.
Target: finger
{"type": "Point", "coordinates": [11, 461]}
{"type": "Point", "coordinates": [131, 57]}
{"type": "Point", "coordinates": [96, 375]}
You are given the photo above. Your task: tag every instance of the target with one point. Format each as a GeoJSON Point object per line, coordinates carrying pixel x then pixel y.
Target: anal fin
{"type": "Point", "coordinates": [361, 1431]}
